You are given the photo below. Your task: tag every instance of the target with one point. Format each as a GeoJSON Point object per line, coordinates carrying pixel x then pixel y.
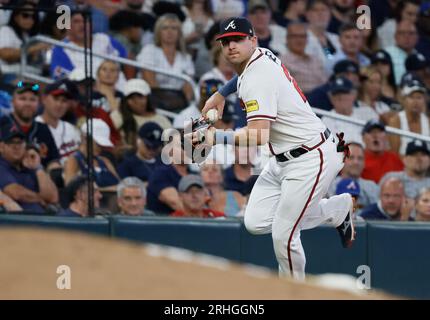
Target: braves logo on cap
{"type": "Point", "coordinates": [230, 25]}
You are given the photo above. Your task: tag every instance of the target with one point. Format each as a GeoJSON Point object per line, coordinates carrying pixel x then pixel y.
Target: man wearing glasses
{"type": "Point", "coordinates": [25, 102]}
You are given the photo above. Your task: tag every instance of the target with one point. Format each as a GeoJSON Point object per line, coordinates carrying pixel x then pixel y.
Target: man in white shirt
{"type": "Point", "coordinates": [55, 102]}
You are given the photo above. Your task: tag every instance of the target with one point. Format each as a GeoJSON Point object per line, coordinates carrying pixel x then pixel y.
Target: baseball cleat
{"type": "Point", "coordinates": [346, 229]}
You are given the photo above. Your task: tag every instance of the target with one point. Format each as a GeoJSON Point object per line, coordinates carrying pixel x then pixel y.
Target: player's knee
{"type": "Point", "coordinates": [254, 226]}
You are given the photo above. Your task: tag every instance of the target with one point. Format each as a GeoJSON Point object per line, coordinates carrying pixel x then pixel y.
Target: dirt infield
{"type": "Point", "coordinates": [103, 268]}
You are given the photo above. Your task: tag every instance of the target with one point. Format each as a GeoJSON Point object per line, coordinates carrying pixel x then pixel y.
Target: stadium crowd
{"type": "Point", "coordinates": [380, 76]}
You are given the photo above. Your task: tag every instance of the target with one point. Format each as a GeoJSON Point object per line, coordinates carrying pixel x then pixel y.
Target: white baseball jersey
{"type": "Point", "coordinates": [268, 91]}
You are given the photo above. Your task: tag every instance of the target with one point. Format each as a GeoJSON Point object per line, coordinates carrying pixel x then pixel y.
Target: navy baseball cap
{"type": "Point", "coordinates": [412, 86]}
{"type": "Point", "coordinates": [189, 181]}
{"type": "Point", "coordinates": [10, 130]}
{"type": "Point", "coordinates": [417, 146]}
{"type": "Point", "coordinates": [416, 61]}
{"type": "Point", "coordinates": [372, 124]}
{"type": "Point", "coordinates": [348, 185]}
{"type": "Point", "coordinates": [151, 133]}
{"type": "Point", "coordinates": [381, 56]}
{"type": "Point", "coordinates": [346, 66]}
{"type": "Point", "coordinates": [341, 85]}
{"type": "Point", "coordinates": [58, 88]}
{"type": "Point", "coordinates": [235, 27]}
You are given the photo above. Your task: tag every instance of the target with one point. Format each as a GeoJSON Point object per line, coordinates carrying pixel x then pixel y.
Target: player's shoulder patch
{"type": "Point", "coordinates": [251, 106]}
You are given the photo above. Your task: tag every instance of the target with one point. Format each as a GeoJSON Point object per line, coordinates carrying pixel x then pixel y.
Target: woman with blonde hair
{"type": "Point", "coordinates": [422, 205]}
{"type": "Point", "coordinates": [370, 94]}
{"type": "Point", "coordinates": [168, 53]}
{"type": "Point", "coordinates": [107, 77]}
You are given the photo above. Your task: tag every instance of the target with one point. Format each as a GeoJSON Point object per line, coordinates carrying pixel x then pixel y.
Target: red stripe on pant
{"type": "Point", "coordinates": [303, 211]}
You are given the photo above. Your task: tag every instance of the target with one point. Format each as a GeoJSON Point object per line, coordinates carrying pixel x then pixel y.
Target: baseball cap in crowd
{"type": "Point", "coordinates": [373, 124]}
{"type": "Point", "coordinates": [416, 61]}
{"type": "Point", "coordinates": [257, 4]}
{"type": "Point", "coordinates": [136, 86]}
{"type": "Point", "coordinates": [235, 27]}
{"type": "Point", "coordinates": [58, 88]}
{"type": "Point", "coordinates": [412, 86]}
{"type": "Point", "coordinates": [23, 86]}
{"type": "Point", "coordinates": [341, 85]}
{"type": "Point", "coordinates": [348, 185]}
{"type": "Point", "coordinates": [101, 132]}
{"type": "Point", "coordinates": [9, 131]}
{"type": "Point", "coordinates": [150, 132]}
{"type": "Point", "coordinates": [417, 146]}
{"type": "Point", "coordinates": [189, 181]}
{"type": "Point", "coordinates": [229, 113]}
{"type": "Point", "coordinates": [381, 56]}
{"type": "Point", "coordinates": [346, 66]}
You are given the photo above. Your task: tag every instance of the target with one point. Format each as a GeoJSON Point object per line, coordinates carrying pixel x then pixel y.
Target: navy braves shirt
{"type": "Point", "coordinates": [132, 166]}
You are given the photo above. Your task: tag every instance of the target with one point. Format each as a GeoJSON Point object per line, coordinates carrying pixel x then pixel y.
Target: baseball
{"type": "Point", "coordinates": [212, 115]}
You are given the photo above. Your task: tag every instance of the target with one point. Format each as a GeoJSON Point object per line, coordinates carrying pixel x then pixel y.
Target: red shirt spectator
{"type": "Point", "coordinates": [376, 165]}
{"type": "Point", "coordinates": [377, 160]}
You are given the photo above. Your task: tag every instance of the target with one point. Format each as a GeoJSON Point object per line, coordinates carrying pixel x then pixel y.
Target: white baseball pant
{"type": "Point", "coordinates": [287, 198]}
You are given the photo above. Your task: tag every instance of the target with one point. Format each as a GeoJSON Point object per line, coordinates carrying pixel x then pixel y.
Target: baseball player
{"type": "Point", "coordinates": [287, 196]}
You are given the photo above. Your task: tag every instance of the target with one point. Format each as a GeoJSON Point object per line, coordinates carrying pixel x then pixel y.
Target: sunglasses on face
{"type": "Point", "coordinates": [30, 86]}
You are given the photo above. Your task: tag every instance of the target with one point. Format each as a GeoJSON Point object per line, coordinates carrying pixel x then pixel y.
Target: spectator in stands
{"type": "Point", "coordinates": [423, 25]}
{"type": "Point", "coordinates": [393, 205]}
{"type": "Point", "coordinates": [48, 26]}
{"type": "Point", "coordinates": [105, 175]}
{"type": "Point", "coordinates": [143, 162]}
{"type": "Point", "coordinates": [22, 25]}
{"type": "Point", "coordinates": [99, 14]}
{"type": "Point", "coordinates": [353, 168]}
{"type": "Point", "coordinates": [77, 194]}
{"type": "Point", "coordinates": [377, 159]}
{"type": "Point", "coordinates": [417, 163]}
{"type": "Point", "coordinates": [168, 53]}
{"type": "Point", "coordinates": [319, 97]}
{"type": "Point", "coordinates": [224, 9]}
{"type": "Point", "coordinates": [342, 96]}
{"type": "Point", "coordinates": [131, 197]}
{"type": "Point", "coordinates": [163, 197]}
{"type": "Point", "coordinates": [106, 81]}
{"type": "Point", "coordinates": [306, 69]}
{"type": "Point", "coordinates": [135, 109]}
{"type": "Point", "coordinates": [290, 11]}
{"type": "Point", "coordinates": [382, 61]}
{"type": "Point", "coordinates": [370, 94]}
{"type": "Point", "coordinates": [229, 202]}
{"type": "Point", "coordinates": [7, 204]}
{"type": "Point", "coordinates": [65, 60]}
{"type": "Point", "coordinates": [412, 118]}
{"type": "Point", "coordinates": [422, 205]}
{"type": "Point", "coordinates": [22, 176]}
{"type": "Point", "coordinates": [321, 43]}
{"type": "Point", "coordinates": [405, 11]}
{"type": "Point", "coordinates": [419, 66]}
{"type": "Point", "coordinates": [235, 177]}
{"type": "Point", "coordinates": [406, 39]}
{"type": "Point", "coordinates": [55, 102]}
{"type": "Point", "coordinates": [194, 197]}
{"type": "Point", "coordinates": [270, 36]}
{"type": "Point", "coordinates": [25, 102]}
{"type": "Point", "coordinates": [351, 41]}
{"type": "Point", "coordinates": [126, 28]}
{"type": "Point", "coordinates": [342, 12]}
{"type": "Point", "coordinates": [351, 186]}
{"type": "Point", "coordinates": [370, 41]}
{"type": "Point", "coordinates": [199, 19]}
